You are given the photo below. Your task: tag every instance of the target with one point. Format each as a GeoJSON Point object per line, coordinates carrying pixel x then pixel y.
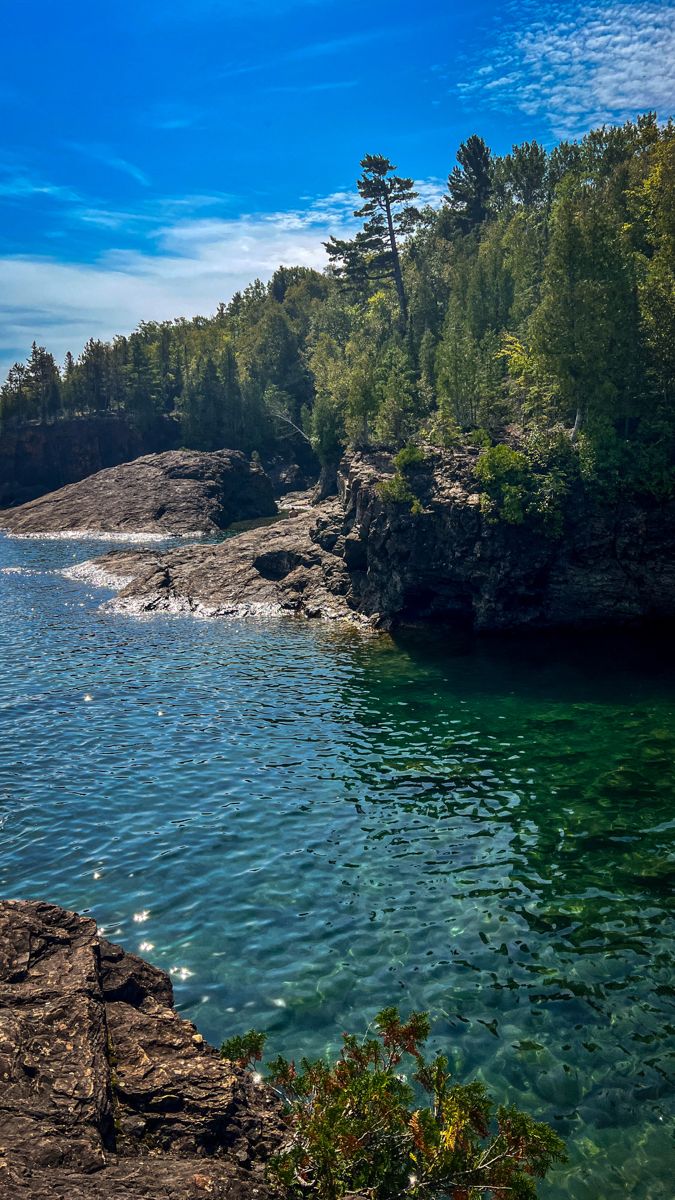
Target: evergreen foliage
{"type": "Point", "coordinates": [360, 1125]}
{"type": "Point", "coordinates": [539, 296]}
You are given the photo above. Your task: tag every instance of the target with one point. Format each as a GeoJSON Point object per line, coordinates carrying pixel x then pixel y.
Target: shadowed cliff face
{"type": "Point", "coordinates": [106, 1091]}
{"type": "Point", "coordinates": [38, 458]}
{"type": "Point", "coordinates": [378, 563]}
{"type": "Point", "coordinates": [611, 565]}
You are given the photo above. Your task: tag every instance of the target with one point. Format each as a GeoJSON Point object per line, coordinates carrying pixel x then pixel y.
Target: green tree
{"type": "Point", "coordinates": [202, 411]}
{"type": "Point", "coordinates": [470, 185]}
{"type": "Point", "coordinates": [653, 203]}
{"type": "Point", "coordinates": [389, 215]}
{"type": "Point", "coordinates": [395, 419]}
{"type": "Point", "coordinates": [141, 382]}
{"type": "Point", "coordinates": [585, 329]}
{"type": "Point", "coordinates": [468, 373]}
{"type": "Point", "coordinates": [15, 396]}
{"type": "Point", "coordinates": [42, 383]}
{"type": "Point", "coordinates": [523, 174]}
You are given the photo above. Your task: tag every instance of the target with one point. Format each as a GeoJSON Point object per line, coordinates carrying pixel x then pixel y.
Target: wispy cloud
{"type": "Point", "coordinates": [339, 85]}
{"type": "Point", "coordinates": [312, 50]}
{"type": "Point", "coordinates": [188, 265]}
{"type": "Point", "coordinates": [21, 187]}
{"type": "Point", "coordinates": [109, 158]}
{"type": "Point", "coordinates": [173, 116]}
{"type": "Point", "coordinates": [168, 123]}
{"type": "Point", "coordinates": [582, 65]}
{"type": "Point", "coordinates": [351, 41]}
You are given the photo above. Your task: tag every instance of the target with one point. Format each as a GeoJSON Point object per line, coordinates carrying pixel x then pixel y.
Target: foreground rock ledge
{"type": "Point", "coordinates": [179, 492]}
{"type": "Point", "coordinates": [105, 1092]}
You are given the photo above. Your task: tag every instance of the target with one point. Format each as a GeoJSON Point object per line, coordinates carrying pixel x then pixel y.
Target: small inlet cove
{"type": "Point", "coordinates": [303, 824]}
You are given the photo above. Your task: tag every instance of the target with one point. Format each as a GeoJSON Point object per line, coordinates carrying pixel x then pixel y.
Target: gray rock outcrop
{"type": "Point", "coordinates": [178, 492]}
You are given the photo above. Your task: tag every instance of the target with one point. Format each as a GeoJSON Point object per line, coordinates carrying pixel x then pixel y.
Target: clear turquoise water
{"type": "Point", "coordinates": [303, 825]}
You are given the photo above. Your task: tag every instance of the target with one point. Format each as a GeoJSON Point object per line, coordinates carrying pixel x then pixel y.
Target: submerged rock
{"type": "Point", "coordinates": [106, 1092]}
{"type": "Point", "coordinates": [179, 492]}
{"type": "Point", "coordinates": [376, 563]}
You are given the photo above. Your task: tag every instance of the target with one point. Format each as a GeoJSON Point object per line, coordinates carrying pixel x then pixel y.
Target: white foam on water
{"type": "Point", "coordinates": [26, 571]}
{"type": "Point", "coordinates": [99, 535]}
{"type": "Point", "coordinates": [90, 572]}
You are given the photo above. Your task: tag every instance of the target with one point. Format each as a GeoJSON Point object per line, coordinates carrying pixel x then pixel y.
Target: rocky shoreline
{"type": "Point", "coordinates": [377, 564]}
{"type": "Point", "coordinates": [107, 1094]}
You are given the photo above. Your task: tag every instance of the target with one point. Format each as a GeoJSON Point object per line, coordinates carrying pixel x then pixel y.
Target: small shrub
{"type": "Point", "coordinates": [504, 474]}
{"type": "Point", "coordinates": [529, 485]}
{"type": "Point", "coordinates": [409, 456]}
{"type": "Point", "coordinates": [480, 438]}
{"type": "Point", "coordinates": [244, 1048]}
{"type": "Point", "coordinates": [355, 1127]}
{"type": "Point", "coordinates": [397, 490]}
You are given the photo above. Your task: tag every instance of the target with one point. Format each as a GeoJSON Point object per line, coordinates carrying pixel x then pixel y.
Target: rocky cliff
{"type": "Point", "coordinates": [179, 492]}
{"type": "Point", "coordinates": [106, 1093]}
{"type": "Point", "coordinates": [39, 457]}
{"type": "Point", "coordinates": [360, 558]}
{"type": "Point", "coordinates": [610, 564]}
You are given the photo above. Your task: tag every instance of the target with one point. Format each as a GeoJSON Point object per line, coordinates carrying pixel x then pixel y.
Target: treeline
{"type": "Point", "coordinates": [537, 302]}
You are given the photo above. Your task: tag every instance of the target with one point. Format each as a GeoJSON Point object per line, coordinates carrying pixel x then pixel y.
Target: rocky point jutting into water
{"type": "Point", "coordinates": [178, 492]}
{"type": "Point", "coordinates": [106, 1093]}
{"type": "Point", "coordinates": [361, 558]}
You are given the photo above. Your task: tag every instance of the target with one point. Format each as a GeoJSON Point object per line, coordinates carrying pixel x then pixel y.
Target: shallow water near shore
{"type": "Point", "coordinates": [303, 825]}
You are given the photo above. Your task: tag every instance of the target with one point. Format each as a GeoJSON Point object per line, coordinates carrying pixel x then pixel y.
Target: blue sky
{"type": "Point", "coordinates": [155, 156]}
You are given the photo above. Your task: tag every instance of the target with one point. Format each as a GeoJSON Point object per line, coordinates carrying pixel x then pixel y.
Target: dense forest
{"type": "Point", "coordinates": [532, 312]}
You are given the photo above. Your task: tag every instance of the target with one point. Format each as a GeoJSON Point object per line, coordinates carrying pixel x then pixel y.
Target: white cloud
{"type": "Point", "coordinates": [21, 187]}
{"type": "Point", "coordinates": [580, 66]}
{"type": "Point", "coordinates": [197, 263]}
{"type": "Point", "coordinates": [109, 158]}
{"type": "Point", "coordinates": [191, 264]}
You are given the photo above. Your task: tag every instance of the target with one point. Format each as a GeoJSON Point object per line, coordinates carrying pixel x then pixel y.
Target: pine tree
{"type": "Point", "coordinates": [389, 215]}
{"type": "Point", "coordinates": [43, 383]}
{"type": "Point", "coordinates": [524, 174]}
{"type": "Point", "coordinates": [470, 185]}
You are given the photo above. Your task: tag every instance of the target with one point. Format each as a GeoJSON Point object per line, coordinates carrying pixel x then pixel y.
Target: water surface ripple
{"type": "Point", "coordinates": [303, 825]}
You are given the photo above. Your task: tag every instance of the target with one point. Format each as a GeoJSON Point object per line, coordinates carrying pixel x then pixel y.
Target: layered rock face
{"type": "Point", "coordinates": [610, 566]}
{"type": "Point", "coordinates": [179, 492]}
{"type": "Point", "coordinates": [380, 564]}
{"type": "Point", "coordinates": [37, 457]}
{"type": "Point", "coordinates": [105, 1092]}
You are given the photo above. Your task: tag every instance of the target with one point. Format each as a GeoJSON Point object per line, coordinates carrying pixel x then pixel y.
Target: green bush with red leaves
{"type": "Point", "coordinates": [355, 1126]}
